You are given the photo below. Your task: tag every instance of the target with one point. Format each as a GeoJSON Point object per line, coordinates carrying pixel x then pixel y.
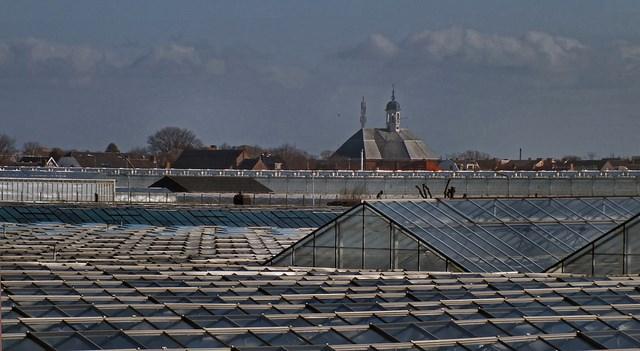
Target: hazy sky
{"type": "Point", "coordinates": [552, 77]}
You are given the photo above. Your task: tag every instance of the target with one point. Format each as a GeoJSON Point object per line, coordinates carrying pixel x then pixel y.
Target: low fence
{"type": "Point", "coordinates": [294, 200]}
{"type": "Point", "coordinates": [89, 172]}
{"type": "Point", "coordinates": [57, 190]}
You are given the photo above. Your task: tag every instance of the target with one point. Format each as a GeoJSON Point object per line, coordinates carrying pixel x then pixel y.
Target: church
{"type": "Point", "coordinates": [390, 148]}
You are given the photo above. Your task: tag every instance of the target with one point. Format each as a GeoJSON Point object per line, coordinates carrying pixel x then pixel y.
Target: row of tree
{"type": "Point", "coordinates": [166, 145]}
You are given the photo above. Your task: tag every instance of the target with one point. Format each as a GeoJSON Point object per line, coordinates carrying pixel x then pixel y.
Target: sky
{"type": "Point", "coordinates": [554, 78]}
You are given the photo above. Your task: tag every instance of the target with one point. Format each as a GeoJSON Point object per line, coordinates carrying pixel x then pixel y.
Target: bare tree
{"type": "Point", "coordinates": [471, 155]}
{"type": "Point", "coordinates": [7, 148]}
{"type": "Point", "coordinates": [324, 155]}
{"type": "Point", "coordinates": [138, 151]}
{"type": "Point", "coordinates": [168, 142]}
{"type": "Point", "coordinates": [571, 158]}
{"type": "Point", "coordinates": [57, 153]}
{"type": "Point", "coordinates": [34, 148]}
{"type": "Point", "coordinates": [293, 157]}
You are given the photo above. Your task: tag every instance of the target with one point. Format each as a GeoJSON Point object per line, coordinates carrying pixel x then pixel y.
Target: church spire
{"type": "Point", "coordinates": [363, 113]}
{"type": "Point", "coordinates": [393, 112]}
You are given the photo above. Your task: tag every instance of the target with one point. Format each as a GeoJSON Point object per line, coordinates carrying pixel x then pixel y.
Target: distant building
{"type": "Point", "coordinates": [392, 147]}
{"type": "Point", "coordinates": [449, 165]}
{"type": "Point", "coordinates": [587, 165]}
{"type": "Point", "coordinates": [106, 160]}
{"type": "Point", "coordinates": [212, 158]}
{"type": "Point", "coordinates": [36, 161]}
{"type": "Point", "coordinates": [539, 164]}
{"type": "Point", "coordinates": [625, 164]}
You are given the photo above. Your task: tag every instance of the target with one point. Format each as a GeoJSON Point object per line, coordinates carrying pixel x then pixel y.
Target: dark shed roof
{"type": "Point", "coordinates": [184, 184]}
{"type": "Point", "coordinates": [105, 159]}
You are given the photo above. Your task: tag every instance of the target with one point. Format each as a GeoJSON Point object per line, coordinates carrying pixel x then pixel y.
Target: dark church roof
{"type": "Point", "coordinates": [383, 144]}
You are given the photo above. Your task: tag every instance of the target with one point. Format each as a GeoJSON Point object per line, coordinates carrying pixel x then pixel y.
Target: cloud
{"type": "Point", "coordinates": [287, 76]}
{"type": "Point", "coordinates": [169, 59]}
{"type": "Point", "coordinates": [216, 66]}
{"type": "Point", "coordinates": [5, 53]}
{"type": "Point", "coordinates": [55, 62]}
{"type": "Point", "coordinates": [534, 50]}
{"type": "Point", "coordinates": [37, 58]}
{"type": "Point", "coordinates": [376, 47]}
{"type": "Point", "coordinates": [629, 56]}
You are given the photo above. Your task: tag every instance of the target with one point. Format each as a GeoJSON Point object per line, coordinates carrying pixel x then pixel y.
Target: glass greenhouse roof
{"type": "Point", "coordinates": [477, 235]}
{"type": "Point", "coordinates": [50, 306]}
{"type": "Point", "coordinates": [200, 288]}
{"type": "Point", "coordinates": [280, 218]}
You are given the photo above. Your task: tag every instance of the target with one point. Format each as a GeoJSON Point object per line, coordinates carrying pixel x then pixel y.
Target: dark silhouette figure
{"type": "Point", "coordinates": [379, 195]}
{"type": "Point", "coordinates": [446, 188]}
{"type": "Point", "coordinates": [238, 199]}
{"type": "Point", "coordinates": [426, 190]}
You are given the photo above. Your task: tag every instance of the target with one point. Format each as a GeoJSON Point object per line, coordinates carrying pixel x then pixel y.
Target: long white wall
{"type": "Point", "coordinates": [345, 184]}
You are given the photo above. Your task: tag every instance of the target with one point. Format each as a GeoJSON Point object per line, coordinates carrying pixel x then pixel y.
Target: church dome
{"type": "Point", "coordinates": [393, 105]}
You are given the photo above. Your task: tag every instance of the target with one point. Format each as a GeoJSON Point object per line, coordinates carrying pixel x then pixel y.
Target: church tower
{"type": "Point", "coordinates": [393, 113]}
{"type": "Point", "coordinates": [379, 145]}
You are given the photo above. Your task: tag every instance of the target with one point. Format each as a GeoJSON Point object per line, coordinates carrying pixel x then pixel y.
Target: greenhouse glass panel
{"type": "Point", "coordinates": [350, 258]}
{"type": "Point", "coordinates": [608, 264]}
{"type": "Point", "coordinates": [599, 209]}
{"type": "Point", "coordinates": [303, 254]}
{"type": "Point", "coordinates": [430, 261]}
{"type": "Point", "coordinates": [377, 241]}
{"type": "Point", "coordinates": [558, 208]}
{"type": "Point", "coordinates": [350, 231]}
{"type": "Point", "coordinates": [377, 233]}
{"type": "Point", "coordinates": [350, 243]}
{"type": "Point", "coordinates": [325, 247]}
{"type": "Point", "coordinates": [471, 209]}
{"type": "Point", "coordinates": [582, 264]}
{"type": "Point", "coordinates": [377, 258]}
{"type": "Point", "coordinates": [405, 251]}
{"type": "Point", "coordinates": [496, 211]}
{"type": "Point", "coordinates": [612, 244]}
{"type": "Point", "coordinates": [448, 240]}
{"type": "Point", "coordinates": [633, 236]}
{"type": "Point", "coordinates": [527, 210]}
{"type": "Point", "coordinates": [633, 264]}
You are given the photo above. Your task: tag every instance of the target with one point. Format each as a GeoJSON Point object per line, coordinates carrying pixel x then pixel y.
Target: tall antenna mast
{"type": "Point", "coordinates": [363, 113]}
